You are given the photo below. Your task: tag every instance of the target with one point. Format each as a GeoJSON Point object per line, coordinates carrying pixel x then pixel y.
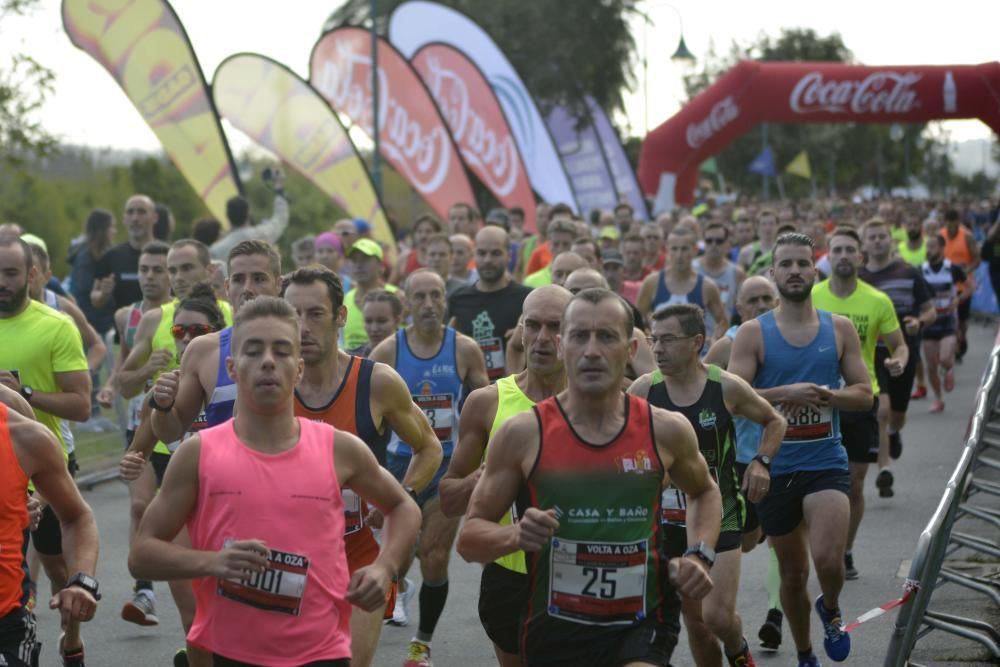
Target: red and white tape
{"type": "Point", "coordinates": [909, 588]}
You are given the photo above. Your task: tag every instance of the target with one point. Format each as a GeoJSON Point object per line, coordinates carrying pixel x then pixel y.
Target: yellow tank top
{"type": "Point", "coordinates": [510, 401]}
{"type": "Point", "coordinates": [353, 333]}
{"type": "Point", "coordinates": [913, 257]}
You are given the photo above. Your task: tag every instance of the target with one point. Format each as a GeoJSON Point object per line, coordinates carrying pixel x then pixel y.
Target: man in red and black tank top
{"type": "Point", "coordinates": [361, 397]}
{"type": "Point", "coordinates": [596, 596]}
{"type": "Point", "coordinates": [28, 450]}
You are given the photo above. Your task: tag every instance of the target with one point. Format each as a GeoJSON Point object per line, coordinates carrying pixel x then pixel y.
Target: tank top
{"type": "Point", "coordinates": [713, 424]}
{"type": "Point", "coordinates": [51, 299]}
{"type": "Point", "coordinates": [597, 577]}
{"type": "Point", "coordinates": [913, 257]}
{"type": "Point", "coordinates": [812, 439]}
{"type": "Point", "coordinates": [135, 404]}
{"type": "Point", "coordinates": [956, 248]}
{"type": "Point", "coordinates": [294, 612]}
{"type": "Point", "coordinates": [748, 433]}
{"type": "Point", "coordinates": [163, 339]}
{"type": "Point", "coordinates": [220, 404]}
{"type": "Point", "coordinates": [353, 334]}
{"type": "Point", "coordinates": [349, 410]}
{"type": "Point", "coordinates": [435, 386]}
{"type": "Point", "coordinates": [943, 292]}
{"type": "Point", "coordinates": [510, 401]}
{"type": "Point", "coordinates": [13, 523]}
{"type": "Point", "coordinates": [726, 281]}
{"type": "Point", "coordinates": [665, 298]}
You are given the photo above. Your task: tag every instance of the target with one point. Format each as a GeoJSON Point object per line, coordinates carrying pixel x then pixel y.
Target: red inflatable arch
{"type": "Point", "coordinates": [753, 93]}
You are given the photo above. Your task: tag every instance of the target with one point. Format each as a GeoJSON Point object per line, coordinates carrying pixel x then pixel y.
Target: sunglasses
{"type": "Point", "coordinates": [714, 241]}
{"type": "Point", "coordinates": [180, 330]}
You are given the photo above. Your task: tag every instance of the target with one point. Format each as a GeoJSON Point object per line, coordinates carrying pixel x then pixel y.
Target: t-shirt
{"type": "Point", "coordinates": [123, 262]}
{"type": "Point", "coordinates": [904, 286]}
{"type": "Point", "coordinates": [870, 311]}
{"type": "Point", "coordinates": [540, 278]}
{"type": "Point", "coordinates": [486, 317]}
{"type": "Point", "coordinates": [540, 256]}
{"type": "Point", "coordinates": [38, 343]}
{"type": "Point", "coordinates": [353, 334]}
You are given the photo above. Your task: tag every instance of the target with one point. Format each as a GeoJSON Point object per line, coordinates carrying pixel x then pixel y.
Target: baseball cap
{"type": "Point", "coordinates": [362, 226]}
{"type": "Point", "coordinates": [329, 239]}
{"type": "Point", "coordinates": [31, 239]}
{"type": "Point", "coordinates": [366, 247]}
{"type": "Point", "coordinates": [609, 232]}
{"type": "Point", "coordinates": [612, 257]}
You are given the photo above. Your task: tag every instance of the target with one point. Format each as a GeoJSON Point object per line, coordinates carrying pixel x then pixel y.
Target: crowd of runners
{"type": "Point", "coordinates": [606, 412]}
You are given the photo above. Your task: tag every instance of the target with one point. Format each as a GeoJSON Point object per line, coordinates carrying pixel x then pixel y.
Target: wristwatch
{"type": "Point", "coordinates": [156, 406]}
{"type": "Point", "coordinates": [703, 552]}
{"type": "Point", "coordinates": [27, 392]}
{"type": "Point", "coordinates": [412, 493]}
{"type": "Point", "coordinates": [764, 460]}
{"type": "Point", "coordinates": [86, 582]}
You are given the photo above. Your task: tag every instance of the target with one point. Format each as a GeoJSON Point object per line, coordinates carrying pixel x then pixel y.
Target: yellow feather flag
{"type": "Point", "coordinates": [799, 166]}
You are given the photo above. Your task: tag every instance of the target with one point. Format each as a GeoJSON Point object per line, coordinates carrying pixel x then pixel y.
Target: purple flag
{"type": "Point", "coordinates": [581, 154]}
{"type": "Point", "coordinates": [614, 153]}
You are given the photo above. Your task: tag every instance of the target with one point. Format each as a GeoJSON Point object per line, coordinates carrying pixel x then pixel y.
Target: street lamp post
{"type": "Point", "coordinates": [681, 54]}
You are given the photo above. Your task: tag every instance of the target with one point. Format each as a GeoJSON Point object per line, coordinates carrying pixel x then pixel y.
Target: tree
{"type": "Point", "coordinates": [559, 49]}
{"type": "Point", "coordinates": [24, 85]}
{"type": "Point", "coordinates": [843, 156]}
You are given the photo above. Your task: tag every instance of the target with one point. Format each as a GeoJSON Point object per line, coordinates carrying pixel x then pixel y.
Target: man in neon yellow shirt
{"type": "Point", "coordinates": [365, 257]}
{"type": "Point", "coordinates": [504, 588]}
{"type": "Point", "coordinates": [42, 359]}
{"type": "Point", "coordinates": [874, 317]}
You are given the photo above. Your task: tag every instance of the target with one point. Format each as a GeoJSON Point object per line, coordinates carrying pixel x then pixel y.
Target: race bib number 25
{"type": "Point", "coordinates": [598, 583]}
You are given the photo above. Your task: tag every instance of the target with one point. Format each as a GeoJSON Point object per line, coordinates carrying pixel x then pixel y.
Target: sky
{"type": "Point", "coordinates": [89, 108]}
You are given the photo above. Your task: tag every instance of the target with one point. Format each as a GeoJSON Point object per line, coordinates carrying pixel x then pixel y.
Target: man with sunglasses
{"type": "Point", "coordinates": [715, 264]}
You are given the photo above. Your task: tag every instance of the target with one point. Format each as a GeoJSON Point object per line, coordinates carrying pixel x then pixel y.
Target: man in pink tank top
{"type": "Point", "coordinates": [261, 497]}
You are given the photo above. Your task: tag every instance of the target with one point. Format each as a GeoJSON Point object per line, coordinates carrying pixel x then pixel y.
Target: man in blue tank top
{"type": "Point", "coordinates": [254, 269]}
{"type": "Point", "coordinates": [439, 365]}
{"type": "Point", "coordinates": [795, 357]}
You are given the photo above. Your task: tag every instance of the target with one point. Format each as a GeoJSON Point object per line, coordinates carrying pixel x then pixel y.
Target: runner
{"type": "Point", "coordinates": [30, 452]}
{"type": "Point", "coordinates": [872, 314]}
{"type": "Point", "coordinates": [561, 234]}
{"type": "Point", "coordinates": [503, 590]}
{"type": "Point", "coordinates": [360, 397]}
{"type": "Point", "coordinates": [383, 313]}
{"type": "Point", "coordinates": [595, 597]}
{"type": "Point", "coordinates": [756, 296]}
{"type": "Point", "coordinates": [424, 228]}
{"type": "Point", "coordinates": [203, 382]}
{"type": "Point", "coordinates": [268, 559]}
{"type": "Point", "coordinates": [680, 283]}
{"type": "Point", "coordinates": [911, 299]}
{"type": "Point", "coordinates": [462, 253]}
{"type": "Point", "coordinates": [753, 258]}
{"type": "Point", "coordinates": [488, 310]}
{"type": "Point", "coordinates": [715, 264]}
{"type": "Point", "coordinates": [116, 283]}
{"type": "Point", "coordinates": [794, 355]}
{"type": "Point", "coordinates": [155, 285]}
{"type": "Point", "coordinates": [710, 399]}
{"type": "Point", "coordinates": [438, 365]}
{"type": "Point", "coordinates": [365, 257]}
{"type": "Point", "coordinates": [42, 359]}
{"type": "Point", "coordinates": [947, 284]}
{"type": "Point", "coordinates": [961, 249]}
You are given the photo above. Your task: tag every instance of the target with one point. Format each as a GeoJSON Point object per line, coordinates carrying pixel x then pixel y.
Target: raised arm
{"type": "Point", "coordinates": [467, 459]}
{"type": "Point", "coordinates": [410, 423]}
{"type": "Point", "coordinates": [183, 390]}
{"type": "Point", "coordinates": [744, 402]}
{"type": "Point", "coordinates": [143, 362]}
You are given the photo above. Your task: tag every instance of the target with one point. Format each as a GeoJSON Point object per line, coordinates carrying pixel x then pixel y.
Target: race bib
{"type": "Point", "coordinates": [440, 411]}
{"type": "Point", "coordinates": [493, 353]}
{"type": "Point", "coordinates": [673, 502]}
{"type": "Point", "coordinates": [808, 424]}
{"type": "Point", "coordinates": [278, 588]}
{"type": "Point", "coordinates": [943, 304]}
{"type": "Point", "coordinates": [355, 510]}
{"type": "Point", "coordinates": [598, 583]}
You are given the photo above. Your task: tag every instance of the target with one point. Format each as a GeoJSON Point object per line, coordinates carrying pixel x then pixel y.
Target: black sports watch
{"type": "Point", "coordinates": [764, 460]}
{"type": "Point", "coordinates": [86, 582]}
{"type": "Point", "coordinates": [156, 406]}
{"type": "Point", "coordinates": [412, 493]}
{"type": "Point", "coordinates": [703, 552]}
{"type": "Point", "coordinates": [27, 393]}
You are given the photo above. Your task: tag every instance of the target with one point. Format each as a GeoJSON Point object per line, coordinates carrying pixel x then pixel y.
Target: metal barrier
{"type": "Point", "coordinates": [938, 539]}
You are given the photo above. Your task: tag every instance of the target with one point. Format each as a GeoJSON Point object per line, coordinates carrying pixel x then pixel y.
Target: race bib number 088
{"type": "Point", "coordinates": [810, 423]}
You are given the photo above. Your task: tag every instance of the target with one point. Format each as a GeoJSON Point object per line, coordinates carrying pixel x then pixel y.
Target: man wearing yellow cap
{"type": "Point", "coordinates": [365, 258]}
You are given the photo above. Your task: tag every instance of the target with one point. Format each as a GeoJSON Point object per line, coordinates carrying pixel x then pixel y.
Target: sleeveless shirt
{"type": "Point", "coordinates": [14, 579]}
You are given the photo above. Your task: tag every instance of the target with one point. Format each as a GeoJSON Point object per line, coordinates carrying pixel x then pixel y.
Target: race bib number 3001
{"type": "Point", "coordinates": [598, 583]}
{"type": "Point", "coordinates": [810, 424]}
{"type": "Point", "coordinates": [278, 588]}
{"type": "Point", "coordinates": [440, 411]}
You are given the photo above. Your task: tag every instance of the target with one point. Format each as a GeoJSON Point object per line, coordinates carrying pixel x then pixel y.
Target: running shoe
{"type": "Point", "coordinates": [884, 483]}
{"type": "Point", "coordinates": [850, 572]}
{"type": "Point", "coordinates": [836, 642]}
{"type": "Point", "coordinates": [400, 616]}
{"type": "Point", "coordinates": [181, 658]}
{"type": "Point", "coordinates": [936, 406]}
{"type": "Point", "coordinates": [73, 658]}
{"type": "Point", "coordinates": [743, 658]}
{"type": "Point", "coordinates": [140, 610]}
{"type": "Point", "coordinates": [949, 380]}
{"type": "Point", "coordinates": [811, 661]}
{"type": "Point", "coordinates": [770, 632]}
{"type": "Point", "coordinates": [919, 393]}
{"type": "Point", "coordinates": [895, 445]}
{"type": "Point", "coordinates": [419, 655]}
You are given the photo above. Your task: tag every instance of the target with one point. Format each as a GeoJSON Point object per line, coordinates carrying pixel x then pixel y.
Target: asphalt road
{"type": "Point", "coordinates": [887, 538]}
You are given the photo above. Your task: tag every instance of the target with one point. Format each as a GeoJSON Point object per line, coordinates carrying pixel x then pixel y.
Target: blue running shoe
{"type": "Point", "coordinates": [811, 661]}
{"type": "Point", "coordinates": [836, 642]}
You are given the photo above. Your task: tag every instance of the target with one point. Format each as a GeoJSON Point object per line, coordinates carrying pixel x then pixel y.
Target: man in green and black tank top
{"type": "Point", "coordinates": [586, 468]}
{"type": "Point", "coordinates": [503, 591]}
{"type": "Point", "coordinates": [710, 399]}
